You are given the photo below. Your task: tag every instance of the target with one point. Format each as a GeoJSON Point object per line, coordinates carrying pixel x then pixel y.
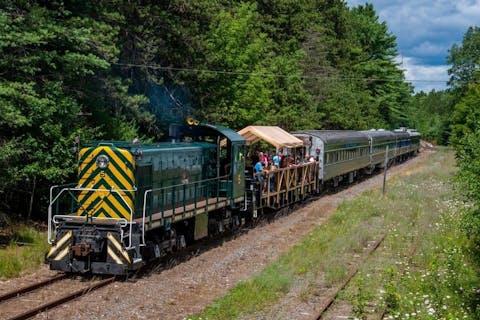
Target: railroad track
{"type": "Point", "coordinates": [331, 299]}
{"type": "Point", "coordinates": [31, 300]}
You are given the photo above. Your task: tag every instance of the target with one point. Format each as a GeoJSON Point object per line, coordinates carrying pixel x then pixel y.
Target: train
{"type": "Point", "coordinates": [135, 202]}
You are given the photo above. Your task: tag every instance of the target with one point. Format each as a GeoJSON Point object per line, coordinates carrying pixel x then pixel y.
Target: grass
{"type": "Point", "coordinates": [418, 211]}
{"type": "Point", "coordinates": [440, 280]}
{"type": "Point", "coordinates": [15, 259]}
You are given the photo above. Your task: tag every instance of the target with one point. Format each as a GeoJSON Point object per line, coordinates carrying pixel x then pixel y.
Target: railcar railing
{"type": "Point", "coordinates": [283, 186]}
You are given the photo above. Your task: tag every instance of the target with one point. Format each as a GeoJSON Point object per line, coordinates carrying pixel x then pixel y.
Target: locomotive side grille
{"type": "Point", "coordinates": [118, 175]}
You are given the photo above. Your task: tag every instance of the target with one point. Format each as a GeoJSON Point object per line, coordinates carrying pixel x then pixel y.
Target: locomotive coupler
{"type": "Point", "coordinates": [82, 249]}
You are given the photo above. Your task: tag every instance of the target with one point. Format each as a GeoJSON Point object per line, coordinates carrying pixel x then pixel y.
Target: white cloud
{"type": "Point", "coordinates": [425, 31]}
{"type": "Point", "coordinates": [469, 9]}
{"type": "Point", "coordinates": [428, 49]}
{"type": "Point", "coordinates": [424, 77]}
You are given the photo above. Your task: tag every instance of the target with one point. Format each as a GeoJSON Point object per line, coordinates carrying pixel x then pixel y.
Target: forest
{"type": "Point", "coordinates": [86, 70]}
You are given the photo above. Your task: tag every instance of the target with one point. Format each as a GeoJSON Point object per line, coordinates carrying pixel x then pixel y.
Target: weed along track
{"type": "Point", "coordinates": [411, 253]}
{"type": "Point", "coordinates": [28, 301]}
{"type": "Point", "coordinates": [331, 299]}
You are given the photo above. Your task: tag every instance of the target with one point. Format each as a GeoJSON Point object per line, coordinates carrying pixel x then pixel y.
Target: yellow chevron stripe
{"type": "Point", "coordinates": [126, 154]}
{"type": "Point", "coordinates": [112, 254]}
{"type": "Point", "coordinates": [114, 158]}
{"type": "Point", "coordinates": [119, 247]}
{"type": "Point", "coordinates": [88, 201]}
{"type": "Point", "coordinates": [120, 205]}
{"type": "Point", "coordinates": [62, 254]}
{"type": "Point", "coordinates": [111, 213]}
{"type": "Point", "coordinates": [88, 160]}
{"type": "Point", "coordinates": [126, 195]}
{"type": "Point", "coordinates": [123, 183]}
{"type": "Point", "coordinates": [117, 204]}
{"type": "Point", "coordinates": [82, 195]}
{"type": "Point", "coordinates": [60, 243]}
{"type": "Point", "coordinates": [112, 154]}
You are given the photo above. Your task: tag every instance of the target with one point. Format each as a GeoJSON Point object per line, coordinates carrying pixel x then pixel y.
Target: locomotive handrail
{"type": "Point", "coordinates": [110, 144]}
{"type": "Point", "coordinates": [122, 221]}
{"type": "Point", "coordinates": [50, 218]}
{"type": "Point", "coordinates": [190, 183]}
{"type": "Point", "coordinates": [173, 187]}
{"type": "Point", "coordinates": [49, 209]}
{"type": "Point", "coordinates": [49, 231]}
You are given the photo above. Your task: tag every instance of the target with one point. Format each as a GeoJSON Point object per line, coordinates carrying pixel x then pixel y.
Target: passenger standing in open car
{"type": "Point", "coordinates": [263, 159]}
{"type": "Point", "coordinates": [276, 159]}
{"type": "Point", "coordinates": [271, 175]}
{"type": "Point", "coordinates": [253, 156]}
{"type": "Point", "coordinates": [258, 170]}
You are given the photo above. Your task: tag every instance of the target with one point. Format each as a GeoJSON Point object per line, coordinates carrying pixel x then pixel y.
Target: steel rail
{"type": "Point", "coordinates": [32, 287]}
{"type": "Point", "coordinates": [351, 274]}
{"type": "Point", "coordinates": [46, 306]}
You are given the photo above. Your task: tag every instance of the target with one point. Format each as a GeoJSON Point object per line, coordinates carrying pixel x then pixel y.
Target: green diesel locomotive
{"type": "Point", "coordinates": [135, 202]}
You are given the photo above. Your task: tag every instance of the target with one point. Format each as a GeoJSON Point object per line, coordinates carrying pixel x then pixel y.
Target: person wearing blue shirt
{"type": "Point", "coordinates": [258, 170]}
{"type": "Point", "coordinates": [276, 160]}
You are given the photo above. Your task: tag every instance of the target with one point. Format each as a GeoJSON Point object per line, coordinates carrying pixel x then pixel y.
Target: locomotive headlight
{"type": "Point", "coordinates": [102, 161]}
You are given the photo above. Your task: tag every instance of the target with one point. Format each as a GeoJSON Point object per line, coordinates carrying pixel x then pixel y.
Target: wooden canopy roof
{"type": "Point", "coordinates": [273, 135]}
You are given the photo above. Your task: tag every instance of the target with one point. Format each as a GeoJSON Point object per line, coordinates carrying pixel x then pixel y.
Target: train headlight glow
{"type": "Point", "coordinates": [102, 161]}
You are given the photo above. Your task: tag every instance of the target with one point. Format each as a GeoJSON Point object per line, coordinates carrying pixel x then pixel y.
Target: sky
{"type": "Point", "coordinates": [425, 31]}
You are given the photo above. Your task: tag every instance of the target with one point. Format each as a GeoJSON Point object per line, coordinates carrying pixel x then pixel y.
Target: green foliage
{"type": "Point", "coordinates": [236, 45]}
{"type": "Point", "coordinates": [441, 285]}
{"type": "Point", "coordinates": [376, 63]}
{"type": "Point", "coordinates": [360, 299]}
{"type": "Point", "coordinates": [14, 259]}
{"type": "Point", "coordinates": [465, 60]}
{"type": "Point", "coordinates": [467, 142]}
{"type": "Point", "coordinates": [250, 296]}
{"type": "Point", "coordinates": [27, 235]}
{"type": "Point", "coordinates": [259, 85]}
{"type": "Point", "coordinates": [117, 70]}
{"type": "Point", "coordinates": [345, 108]}
{"type": "Point", "coordinates": [466, 115]}
{"type": "Point", "coordinates": [55, 63]}
{"type": "Point", "coordinates": [392, 297]}
{"type": "Point", "coordinates": [465, 127]}
{"type": "Point", "coordinates": [356, 84]}
{"type": "Point", "coordinates": [430, 113]}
